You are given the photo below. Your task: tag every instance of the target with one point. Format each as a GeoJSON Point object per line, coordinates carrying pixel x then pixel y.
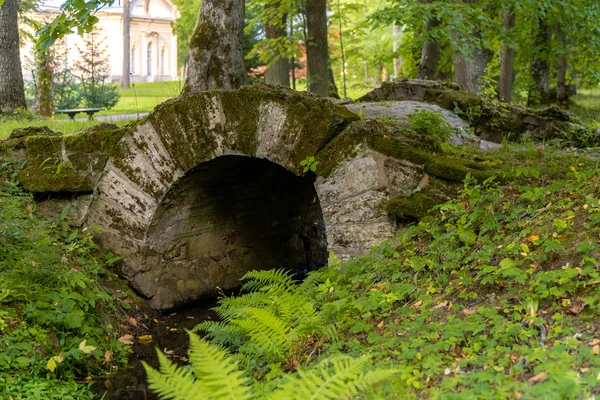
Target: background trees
{"type": "Point", "coordinates": [12, 90]}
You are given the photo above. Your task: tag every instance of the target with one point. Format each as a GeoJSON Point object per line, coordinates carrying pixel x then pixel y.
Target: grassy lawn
{"type": "Point", "coordinates": [143, 97]}
{"type": "Point", "coordinates": [58, 125]}
{"type": "Point", "coordinates": [586, 105]}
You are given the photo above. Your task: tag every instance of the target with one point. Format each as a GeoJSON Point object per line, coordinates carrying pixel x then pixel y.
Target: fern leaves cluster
{"type": "Point", "coordinates": [262, 326]}
{"type": "Point", "coordinates": [265, 322]}
{"type": "Point", "coordinates": [215, 375]}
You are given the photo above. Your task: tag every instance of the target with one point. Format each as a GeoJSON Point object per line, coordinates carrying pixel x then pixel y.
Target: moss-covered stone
{"type": "Point", "coordinates": [455, 169]}
{"type": "Point", "coordinates": [419, 204]}
{"type": "Point", "coordinates": [32, 131]}
{"type": "Point", "coordinates": [489, 119]}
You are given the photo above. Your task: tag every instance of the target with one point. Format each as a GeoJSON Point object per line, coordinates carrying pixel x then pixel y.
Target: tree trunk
{"type": "Point", "coordinates": [562, 97]}
{"type": "Point", "coordinates": [316, 50]}
{"type": "Point", "coordinates": [278, 73]}
{"type": "Point", "coordinates": [12, 91]}
{"type": "Point", "coordinates": [507, 58]}
{"type": "Point", "coordinates": [430, 55]}
{"type": "Point", "coordinates": [539, 90]}
{"type": "Point", "coordinates": [126, 44]}
{"type": "Point", "coordinates": [470, 68]}
{"type": "Point", "coordinates": [216, 59]}
{"type": "Point", "coordinates": [396, 31]}
{"type": "Point", "coordinates": [333, 90]}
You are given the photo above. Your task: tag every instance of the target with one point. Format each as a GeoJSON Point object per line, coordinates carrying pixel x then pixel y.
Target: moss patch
{"type": "Point", "coordinates": [419, 204]}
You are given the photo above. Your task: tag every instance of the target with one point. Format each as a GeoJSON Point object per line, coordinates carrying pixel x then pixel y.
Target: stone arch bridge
{"type": "Point", "coordinates": [210, 185]}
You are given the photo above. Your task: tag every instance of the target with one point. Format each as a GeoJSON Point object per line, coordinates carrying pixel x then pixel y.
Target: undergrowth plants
{"type": "Point", "coordinates": [494, 295]}
{"type": "Point", "coordinates": [54, 334]}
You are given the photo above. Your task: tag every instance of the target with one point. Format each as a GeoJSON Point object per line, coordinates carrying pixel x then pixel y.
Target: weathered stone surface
{"type": "Point", "coordinates": [489, 120]}
{"type": "Point", "coordinates": [209, 186]}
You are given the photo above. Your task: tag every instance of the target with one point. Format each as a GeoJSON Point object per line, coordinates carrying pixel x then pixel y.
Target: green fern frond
{"type": "Point", "coordinates": [222, 332]}
{"type": "Point", "coordinates": [274, 279]}
{"type": "Point", "coordinates": [310, 283]}
{"type": "Point", "coordinates": [217, 371]}
{"type": "Point", "coordinates": [269, 332]}
{"type": "Point", "coordinates": [230, 307]}
{"type": "Point", "coordinates": [345, 381]}
{"type": "Point", "coordinates": [173, 382]}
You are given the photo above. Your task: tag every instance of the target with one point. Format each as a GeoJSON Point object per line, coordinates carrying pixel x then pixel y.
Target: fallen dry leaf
{"type": "Point", "coordinates": [145, 339]}
{"type": "Point", "coordinates": [107, 355]}
{"type": "Point", "coordinates": [594, 342]}
{"type": "Point", "coordinates": [417, 304]}
{"type": "Point", "coordinates": [469, 311]}
{"type": "Point", "coordinates": [537, 377]}
{"type": "Point", "coordinates": [440, 305]}
{"type": "Point", "coordinates": [596, 349]}
{"type": "Point", "coordinates": [133, 321]}
{"type": "Point", "coordinates": [168, 352]}
{"type": "Point", "coordinates": [126, 339]}
{"type": "Point", "coordinates": [576, 308]}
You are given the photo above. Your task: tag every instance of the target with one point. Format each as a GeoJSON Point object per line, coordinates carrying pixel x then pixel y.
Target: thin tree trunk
{"type": "Point", "coordinates": [126, 44]}
{"type": "Point", "coordinates": [507, 58]}
{"type": "Point", "coordinates": [216, 59]}
{"type": "Point", "coordinates": [317, 52]}
{"type": "Point", "coordinates": [12, 92]}
{"type": "Point", "coordinates": [470, 68]}
{"type": "Point", "coordinates": [342, 49]}
{"type": "Point", "coordinates": [430, 55]}
{"type": "Point", "coordinates": [333, 90]}
{"type": "Point", "coordinates": [278, 72]}
{"type": "Point", "coordinates": [396, 45]}
{"type": "Point", "coordinates": [539, 90]}
{"type": "Point", "coordinates": [562, 97]}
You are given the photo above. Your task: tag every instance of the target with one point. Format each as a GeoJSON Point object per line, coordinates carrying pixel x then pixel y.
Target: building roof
{"type": "Point", "coordinates": [152, 9]}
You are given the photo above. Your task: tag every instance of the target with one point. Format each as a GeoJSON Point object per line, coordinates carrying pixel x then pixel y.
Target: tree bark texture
{"type": "Point", "coordinates": [562, 96]}
{"type": "Point", "coordinates": [278, 73]}
{"type": "Point", "coordinates": [216, 58]}
{"type": "Point", "coordinates": [12, 92]}
{"type": "Point", "coordinates": [317, 52]}
{"type": "Point", "coordinates": [507, 59]}
{"type": "Point", "coordinates": [126, 44]}
{"type": "Point", "coordinates": [470, 68]}
{"type": "Point", "coordinates": [430, 54]}
{"type": "Point", "coordinates": [396, 32]}
{"type": "Point", "coordinates": [539, 89]}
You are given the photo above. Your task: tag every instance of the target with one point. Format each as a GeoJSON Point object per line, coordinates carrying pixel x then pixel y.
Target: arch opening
{"type": "Point", "coordinates": [231, 215]}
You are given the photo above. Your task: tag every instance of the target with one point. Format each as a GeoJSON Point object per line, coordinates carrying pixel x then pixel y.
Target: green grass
{"type": "Point", "coordinates": [143, 97]}
{"type": "Point", "coordinates": [586, 105]}
{"type": "Point", "coordinates": [58, 125]}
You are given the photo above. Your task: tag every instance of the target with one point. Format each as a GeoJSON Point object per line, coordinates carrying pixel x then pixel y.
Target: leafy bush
{"type": "Point", "coordinates": [430, 124]}
{"type": "Point", "coordinates": [53, 326]}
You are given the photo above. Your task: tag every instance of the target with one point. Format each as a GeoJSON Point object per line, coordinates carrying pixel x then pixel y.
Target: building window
{"type": "Point", "coordinates": [133, 69]}
{"type": "Point", "coordinates": [163, 60]}
{"type": "Point", "coordinates": [149, 66]}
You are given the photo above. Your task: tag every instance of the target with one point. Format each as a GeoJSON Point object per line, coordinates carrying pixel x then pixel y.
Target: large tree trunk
{"type": "Point", "coordinates": [470, 68]}
{"type": "Point", "coordinates": [278, 73]}
{"type": "Point", "coordinates": [430, 55]}
{"type": "Point", "coordinates": [12, 92]}
{"type": "Point", "coordinates": [507, 58]}
{"type": "Point", "coordinates": [539, 90]}
{"type": "Point", "coordinates": [216, 59]}
{"type": "Point", "coordinates": [126, 44]}
{"type": "Point", "coordinates": [562, 97]}
{"type": "Point", "coordinates": [317, 52]}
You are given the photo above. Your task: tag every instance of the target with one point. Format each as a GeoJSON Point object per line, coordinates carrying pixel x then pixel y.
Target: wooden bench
{"type": "Point", "coordinates": [71, 113]}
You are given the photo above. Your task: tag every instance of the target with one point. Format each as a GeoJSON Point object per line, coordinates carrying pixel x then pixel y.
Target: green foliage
{"type": "Point", "coordinates": [93, 68]}
{"type": "Point", "coordinates": [53, 327]}
{"type": "Point", "coordinates": [432, 124]}
{"type": "Point", "coordinates": [309, 164]}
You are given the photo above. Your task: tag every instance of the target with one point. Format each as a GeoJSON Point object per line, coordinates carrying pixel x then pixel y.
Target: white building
{"type": "Point", "coordinates": [153, 49]}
